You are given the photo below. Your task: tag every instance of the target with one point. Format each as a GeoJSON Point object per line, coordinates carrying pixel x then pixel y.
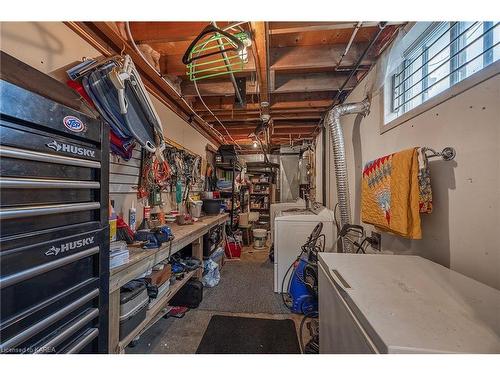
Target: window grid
{"type": "Point", "coordinates": [469, 47]}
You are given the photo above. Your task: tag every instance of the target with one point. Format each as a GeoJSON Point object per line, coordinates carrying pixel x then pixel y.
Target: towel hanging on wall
{"type": "Point", "coordinates": [395, 190]}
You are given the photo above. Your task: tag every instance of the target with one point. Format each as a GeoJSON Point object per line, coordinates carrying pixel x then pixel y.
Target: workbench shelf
{"type": "Point", "coordinates": [151, 315]}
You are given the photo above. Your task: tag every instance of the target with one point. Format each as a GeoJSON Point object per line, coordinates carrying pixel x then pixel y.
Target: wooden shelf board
{"type": "Point", "coordinates": [151, 314]}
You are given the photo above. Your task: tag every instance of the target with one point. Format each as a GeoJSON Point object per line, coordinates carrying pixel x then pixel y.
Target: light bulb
{"type": "Point", "coordinates": [243, 54]}
{"type": "Point", "coordinates": [254, 144]}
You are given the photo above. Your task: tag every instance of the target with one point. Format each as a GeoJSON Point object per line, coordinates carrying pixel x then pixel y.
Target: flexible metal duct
{"type": "Point", "coordinates": [332, 120]}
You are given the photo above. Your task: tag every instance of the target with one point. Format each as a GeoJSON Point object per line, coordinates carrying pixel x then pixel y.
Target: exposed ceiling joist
{"type": "Point", "coordinates": [279, 131]}
{"type": "Point", "coordinates": [327, 81]}
{"type": "Point", "coordinates": [322, 37]}
{"type": "Point", "coordinates": [291, 65]}
{"type": "Point", "coordinates": [277, 28]}
{"type": "Point", "coordinates": [148, 32]}
{"type": "Point", "coordinates": [256, 116]}
{"type": "Point", "coordinates": [215, 88]}
{"type": "Point", "coordinates": [172, 64]}
{"type": "Point", "coordinates": [260, 36]}
{"type": "Point", "coordinates": [315, 57]}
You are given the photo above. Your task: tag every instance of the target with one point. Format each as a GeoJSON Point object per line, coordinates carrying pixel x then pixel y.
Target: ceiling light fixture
{"type": "Point", "coordinates": [243, 54]}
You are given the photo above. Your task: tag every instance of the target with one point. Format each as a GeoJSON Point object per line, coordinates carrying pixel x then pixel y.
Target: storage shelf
{"type": "Point", "coordinates": [228, 167]}
{"type": "Point", "coordinates": [259, 193]}
{"type": "Point", "coordinates": [259, 209]}
{"type": "Point", "coordinates": [157, 308]}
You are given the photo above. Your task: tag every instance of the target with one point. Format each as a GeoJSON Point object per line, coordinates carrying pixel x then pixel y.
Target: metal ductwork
{"type": "Point", "coordinates": [332, 121]}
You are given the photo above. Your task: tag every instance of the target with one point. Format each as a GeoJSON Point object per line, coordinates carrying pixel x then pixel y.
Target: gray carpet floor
{"type": "Point", "coordinates": [245, 289]}
{"type": "Point", "coordinates": [246, 286]}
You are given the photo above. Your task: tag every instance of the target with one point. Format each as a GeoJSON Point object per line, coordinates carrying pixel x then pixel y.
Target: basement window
{"type": "Point", "coordinates": [442, 56]}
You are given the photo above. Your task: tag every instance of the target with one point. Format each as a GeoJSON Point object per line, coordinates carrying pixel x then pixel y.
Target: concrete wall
{"type": "Point", "coordinates": [462, 232]}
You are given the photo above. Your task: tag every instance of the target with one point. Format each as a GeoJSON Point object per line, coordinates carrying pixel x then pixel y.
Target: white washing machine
{"type": "Point", "coordinates": [276, 208]}
{"type": "Point", "coordinates": [291, 230]}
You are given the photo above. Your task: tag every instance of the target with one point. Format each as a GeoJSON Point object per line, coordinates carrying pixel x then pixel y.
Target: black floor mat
{"type": "Point", "coordinates": [238, 335]}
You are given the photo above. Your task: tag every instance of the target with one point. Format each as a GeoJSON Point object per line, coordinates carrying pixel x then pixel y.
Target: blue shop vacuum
{"type": "Point", "coordinates": [303, 284]}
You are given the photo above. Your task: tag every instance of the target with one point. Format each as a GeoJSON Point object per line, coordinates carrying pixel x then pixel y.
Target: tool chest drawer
{"type": "Point", "coordinates": [38, 249]}
{"type": "Point", "coordinates": [35, 329]}
{"type": "Point", "coordinates": [18, 220]}
{"type": "Point", "coordinates": [54, 234]}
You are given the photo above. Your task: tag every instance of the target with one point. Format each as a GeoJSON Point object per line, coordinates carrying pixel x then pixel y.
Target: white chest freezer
{"type": "Point", "coordinates": [291, 230]}
{"type": "Point", "coordinates": [403, 304]}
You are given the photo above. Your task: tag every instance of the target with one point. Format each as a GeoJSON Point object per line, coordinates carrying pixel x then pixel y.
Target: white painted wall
{"type": "Point", "coordinates": [463, 231]}
{"type": "Point", "coordinates": [49, 46]}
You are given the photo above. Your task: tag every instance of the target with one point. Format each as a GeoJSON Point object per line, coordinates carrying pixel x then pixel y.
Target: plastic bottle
{"type": "Point", "coordinates": [147, 212]}
{"type": "Point", "coordinates": [132, 217]}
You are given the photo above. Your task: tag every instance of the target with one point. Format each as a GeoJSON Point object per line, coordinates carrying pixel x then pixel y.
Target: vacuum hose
{"type": "Point", "coordinates": [332, 120]}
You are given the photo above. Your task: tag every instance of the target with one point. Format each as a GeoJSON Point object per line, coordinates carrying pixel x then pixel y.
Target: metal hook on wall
{"type": "Point", "coordinates": [447, 154]}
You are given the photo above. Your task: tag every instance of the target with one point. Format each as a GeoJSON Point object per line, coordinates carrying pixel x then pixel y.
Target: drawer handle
{"type": "Point", "coordinates": [20, 212]}
{"type": "Point", "coordinates": [34, 183]}
{"type": "Point", "coordinates": [82, 343]}
{"type": "Point", "coordinates": [92, 314]}
{"type": "Point", "coordinates": [12, 152]}
{"type": "Point", "coordinates": [34, 309]}
{"type": "Point", "coordinates": [43, 268]}
{"type": "Point", "coordinates": [40, 326]}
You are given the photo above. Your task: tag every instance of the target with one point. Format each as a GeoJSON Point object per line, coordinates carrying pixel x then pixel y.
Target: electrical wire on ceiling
{"type": "Point", "coordinates": [214, 116]}
{"type": "Point", "coordinates": [134, 45]}
{"type": "Point", "coordinates": [381, 26]}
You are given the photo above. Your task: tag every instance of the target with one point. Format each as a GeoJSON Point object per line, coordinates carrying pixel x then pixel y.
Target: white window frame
{"type": "Point", "coordinates": [482, 75]}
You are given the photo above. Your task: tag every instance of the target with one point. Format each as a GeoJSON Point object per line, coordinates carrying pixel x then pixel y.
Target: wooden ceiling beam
{"type": "Point", "coordinates": [327, 81]}
{"type": "Point", "coordinates": [279, 131]}
{"type": "Point", "coordinates": [277, 28]}
{"type": "Point", "coordinates": [250, 128]}
{"type": "Point", "coordinates": [279, 139]}
{"type": "Point", "coordinates": [322, 37]}
{"type": "Point", "coordinates": [281, 125]}
{"type": "Point", "coordinates": [214, 88]}
{"type": "Point", "coordinates": [316, 57]}
{"type": "Point", "coordinates": [148, 32]}
{"type": "Point", "coordinates": [256, 117]}
{"type": "Point", "coordinates": [256, 113]}
{"type": "Point", "coordinates": [260, 38]}
{"type": "Point", "coordinates": [172, 64]}
{"type": "Point", "coordinates": [285, 83]}
{"type": "Point", "coordinates": [278, 101]}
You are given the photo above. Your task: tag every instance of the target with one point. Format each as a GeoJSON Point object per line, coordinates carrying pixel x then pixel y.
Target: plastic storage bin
{"type": "Point", "coordinates": [133, 305]}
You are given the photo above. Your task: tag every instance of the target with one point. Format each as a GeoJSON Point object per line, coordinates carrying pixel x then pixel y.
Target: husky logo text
{"type": "Point", "coordinates": [72, 149]}
{"type": "Point", "coordinates": [69, 246]}
{"type": "Point", "coordinates": [74, 124]}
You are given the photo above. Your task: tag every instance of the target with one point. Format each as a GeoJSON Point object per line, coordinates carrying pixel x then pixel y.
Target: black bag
{"type": "Point", "coordinates": [227, 153]}
{"type": "Point", "coordinates": [190, 295]}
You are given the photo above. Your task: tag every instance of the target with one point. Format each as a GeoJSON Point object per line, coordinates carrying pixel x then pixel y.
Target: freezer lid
{"type": "Point", "coordinates": [411, 304]}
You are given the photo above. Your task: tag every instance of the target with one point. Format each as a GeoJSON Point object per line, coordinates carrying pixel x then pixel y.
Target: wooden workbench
{"type": "Point", "coordinates": [140, 261]}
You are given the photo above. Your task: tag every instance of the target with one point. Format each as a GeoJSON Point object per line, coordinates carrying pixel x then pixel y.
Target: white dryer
{"type": "Point", "coordinates": [291, 230]}
{"type": "Point", "coordinates": [276, 208]}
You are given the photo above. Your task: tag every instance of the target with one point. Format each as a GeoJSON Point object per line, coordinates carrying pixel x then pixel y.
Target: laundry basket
{"type": "Point", "coordinates": [259, 238]}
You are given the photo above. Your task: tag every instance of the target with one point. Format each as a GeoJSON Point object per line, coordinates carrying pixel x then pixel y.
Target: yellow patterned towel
{"type": "Point", "coordinates": [390, 196]}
